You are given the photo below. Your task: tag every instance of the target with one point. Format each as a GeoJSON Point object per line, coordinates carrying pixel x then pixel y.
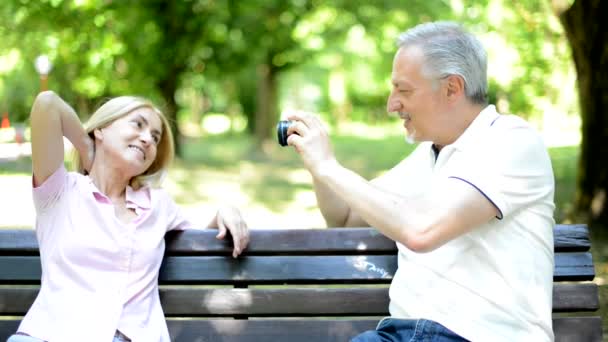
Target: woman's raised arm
{"type": "Point", "coordinates": [51, 120]}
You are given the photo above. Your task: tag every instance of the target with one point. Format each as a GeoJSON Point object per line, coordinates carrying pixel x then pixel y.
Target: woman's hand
{"type": "Point", "coordinates": [87, 153]}
{"type": "Point", "coordinates": [229, 219]}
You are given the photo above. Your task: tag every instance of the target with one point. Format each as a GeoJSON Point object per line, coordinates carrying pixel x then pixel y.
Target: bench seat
{"type": "Point", "coordinates": [292, 285]}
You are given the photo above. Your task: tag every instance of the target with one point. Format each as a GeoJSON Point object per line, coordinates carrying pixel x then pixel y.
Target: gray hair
{"type": "Point", "coordinates": [450, 50]}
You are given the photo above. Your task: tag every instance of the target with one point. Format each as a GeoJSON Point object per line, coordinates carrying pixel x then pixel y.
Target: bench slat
{"type": "Point", "coordinates": [183, 301]}
{"type": "Point", "coordinates": [575, 297]}
{"type": "Point", "coordinates": [574, 266]}
{"type": "Point", "coordinates": [325, 301]}
{"type": "Point", "coordinates": [218, 270]}
{"type": "Point", "coordinates": [571, 238]}
{"type": "Point", "coordinates": [281, 269]}
{"type": "Point", "coordinates": [575, 329]}
{"type": "Point", "coordinates": [571, 329]}
{"type": "Point", "coordinates": [293, 241]}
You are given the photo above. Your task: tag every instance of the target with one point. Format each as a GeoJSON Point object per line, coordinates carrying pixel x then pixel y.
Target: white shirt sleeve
{"type": "Point", "coordinates": [512, 171]}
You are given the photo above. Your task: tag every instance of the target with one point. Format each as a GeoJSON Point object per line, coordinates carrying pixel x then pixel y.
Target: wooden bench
{"type": "Point", "coordinates": [292, 285]}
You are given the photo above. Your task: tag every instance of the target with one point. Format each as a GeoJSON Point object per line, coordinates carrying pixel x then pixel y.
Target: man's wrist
{"type": "Point", "coordinates": [326, 170]}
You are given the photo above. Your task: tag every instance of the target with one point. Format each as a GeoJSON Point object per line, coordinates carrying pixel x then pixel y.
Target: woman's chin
{"type": "Point", "coordinates": [136, 167]}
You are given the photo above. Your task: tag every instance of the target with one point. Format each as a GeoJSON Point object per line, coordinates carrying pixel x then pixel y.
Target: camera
{"type": "Point", "coordinates": [282, 127]}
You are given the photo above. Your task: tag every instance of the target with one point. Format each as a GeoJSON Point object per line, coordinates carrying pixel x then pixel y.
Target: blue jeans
{"type": "Point", "coordinates": [25, 338]}
{"type": "Point", "coordinates": [408, 330]}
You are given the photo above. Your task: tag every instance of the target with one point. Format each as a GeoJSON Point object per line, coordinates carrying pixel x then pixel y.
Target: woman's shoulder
{"type": "Point", "coordinates": [78, 179]}
{"type": "Point", "coordinates": [158, 195]}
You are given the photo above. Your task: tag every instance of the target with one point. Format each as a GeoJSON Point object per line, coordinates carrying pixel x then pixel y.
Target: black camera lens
{"type": "Point", "coordinates": [282, 127]}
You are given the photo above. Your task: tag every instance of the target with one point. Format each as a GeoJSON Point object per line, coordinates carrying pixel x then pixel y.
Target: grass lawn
{"type": "Point", "coordinates": [277, 180]}
{"type": "Point", "coordinates": [272, 188]}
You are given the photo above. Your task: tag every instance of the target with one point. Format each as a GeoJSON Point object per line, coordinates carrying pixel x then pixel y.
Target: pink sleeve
{"type": "Point", "coordinates": [176, 218]}
{"type": "Point", "coordinates": [48, 193]}
{"type": "Point", "coordinates": [180, 222]}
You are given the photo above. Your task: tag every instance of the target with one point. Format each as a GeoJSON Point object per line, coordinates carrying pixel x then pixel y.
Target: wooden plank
{"type": "Point", "coordinates": [276, 302]}
{"type": "Point", "coordinates": [325, 301]}
{"type": "Point", "coordinates": [575, 297]}
{"type": "Point", "coordinates": [573, 266]}
{"type": "Point", "coordinates": [268, 330]}
{"type": "Point", "coordinates": [280, 269]}
{"type": "Point", "coordinates": [20, 269]}
{"type": "Point", "coordinates": [225, 270]}
{"type": "Point", "coordinates": [285, 241]}
{"type": "Point", "coordinates": [323, 269]}
{"type": "Point", "coordinates": [15, 301]}
{"type": "Point", "coordinates": [7, 328]}
{"type": "Point", "coordinates": [571, 238]}
{"type": "Point", "coordinates": [263, 241]}
{"type": "Point", "coordinates": [571, 329]}
{"type": "Point", "coordinates": [292, 301]}
{"type": "Point", "coordinates": [18, 242]}
{"type": "Point", "coordinates": [228, 330]}
{"type": "Point", "coordinates": [577, 329]}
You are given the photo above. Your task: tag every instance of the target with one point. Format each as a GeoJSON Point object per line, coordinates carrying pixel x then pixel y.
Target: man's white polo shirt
{"type": "Point", "coordinates": [494, 283]}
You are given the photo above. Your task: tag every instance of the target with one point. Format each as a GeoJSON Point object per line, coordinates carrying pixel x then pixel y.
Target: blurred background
{"type": "Point", "coordinates": [226, 71]}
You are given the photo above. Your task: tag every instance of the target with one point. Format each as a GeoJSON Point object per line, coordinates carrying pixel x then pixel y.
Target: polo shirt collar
{"type": "Point", "coordinates": [484, 119]}
{"type": "Point", "coordinates": [140, 198]}
{"type": "Point", "coordinates": [134, 198]}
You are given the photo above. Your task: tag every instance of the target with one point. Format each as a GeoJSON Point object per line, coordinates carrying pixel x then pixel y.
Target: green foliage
{"type": "Point", "coordinates": [529, 57]}
{"type": "Point", "coordinates": [212, 49]}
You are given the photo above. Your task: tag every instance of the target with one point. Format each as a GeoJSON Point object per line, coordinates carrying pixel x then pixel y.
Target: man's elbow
{"type": "Point", "coordinates": [347, 219]}
{"type": "Point", "coordinates": [420, 242]}
{"type": "Point", "coordinates": [332, 222]}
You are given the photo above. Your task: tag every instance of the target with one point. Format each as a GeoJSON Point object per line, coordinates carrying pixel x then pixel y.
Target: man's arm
{"type": "Point", "coordinates": [422, 224]}
{"type": "Point", "coordinates": [337, 212]}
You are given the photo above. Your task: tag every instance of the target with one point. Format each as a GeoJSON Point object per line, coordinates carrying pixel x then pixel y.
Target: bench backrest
{"type": "Point", "coordinates": [296, 285]}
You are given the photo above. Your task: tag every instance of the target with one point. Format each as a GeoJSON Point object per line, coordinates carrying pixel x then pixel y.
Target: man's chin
{"type": "Point", "coordinates": [410, 138]}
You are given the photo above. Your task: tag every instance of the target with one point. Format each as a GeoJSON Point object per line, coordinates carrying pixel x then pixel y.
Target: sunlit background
{"type": "Point", "coordinates": [226, 71]}
{"type": "Point", "coordinates": [229, 71]}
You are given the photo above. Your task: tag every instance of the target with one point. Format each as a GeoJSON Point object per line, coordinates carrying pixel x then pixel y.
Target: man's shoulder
{"type": "Point", "coordinates": [510, 121]}
{"type": "Point", "coordinates": [512, 131]}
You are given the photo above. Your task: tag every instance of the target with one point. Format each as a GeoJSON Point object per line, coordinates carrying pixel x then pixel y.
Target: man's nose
{"type": "Point", "coordinates": [392, 105]}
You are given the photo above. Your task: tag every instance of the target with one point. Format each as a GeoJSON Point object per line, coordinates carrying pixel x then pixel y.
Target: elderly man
{"type": "Point", "coordinates": [471, 208]}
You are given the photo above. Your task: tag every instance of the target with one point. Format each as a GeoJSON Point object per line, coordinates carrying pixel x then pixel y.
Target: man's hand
{"type": "Point", "coordinates": [229, 219]}
{"type": "Point", "coordinates": [311, 141]}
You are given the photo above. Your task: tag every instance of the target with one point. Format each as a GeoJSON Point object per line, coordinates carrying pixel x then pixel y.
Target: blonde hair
{"type": "Point", "coordinates": [115, 109]}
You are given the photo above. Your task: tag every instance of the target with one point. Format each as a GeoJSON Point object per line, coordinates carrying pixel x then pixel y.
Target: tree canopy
{"type": "Point", "coordinates": [250, 60]}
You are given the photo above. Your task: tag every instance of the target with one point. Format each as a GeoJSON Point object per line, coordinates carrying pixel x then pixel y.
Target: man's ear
{"type": "Point", "coordinates": [98, 134]}
{"type": "Point", "coordinates": [455, 87]}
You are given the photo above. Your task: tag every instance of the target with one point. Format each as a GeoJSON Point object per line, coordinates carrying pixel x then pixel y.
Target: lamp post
{"type": "Point", "coordinates": [43, 66]}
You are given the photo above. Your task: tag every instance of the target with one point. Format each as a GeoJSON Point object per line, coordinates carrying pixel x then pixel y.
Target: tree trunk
{"type": "Point", "coordinates": [266, 112]}
{"type": "Point", "coordinates": [585, 23]}
{"type": "Point", "coordinates": [168, 87]}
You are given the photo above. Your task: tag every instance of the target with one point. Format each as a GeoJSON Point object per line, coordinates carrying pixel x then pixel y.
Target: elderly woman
{"type": "Point", "coordinates": [101, 230]}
